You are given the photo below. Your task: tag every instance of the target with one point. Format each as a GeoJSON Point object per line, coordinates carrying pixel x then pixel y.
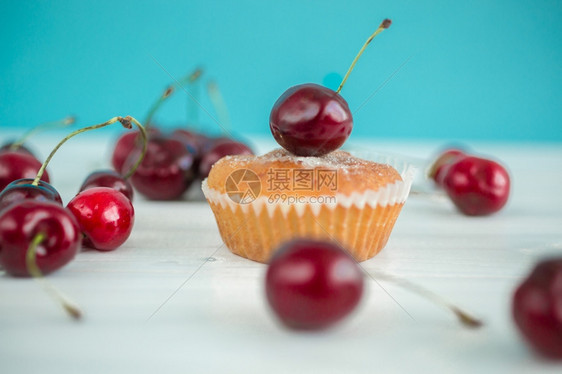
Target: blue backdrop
{"type": "Point", "coordinates": [452, 70]}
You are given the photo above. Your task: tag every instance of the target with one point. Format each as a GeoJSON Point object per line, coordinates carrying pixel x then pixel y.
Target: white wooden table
{"type": "Point", "coordinates": [174, 299]}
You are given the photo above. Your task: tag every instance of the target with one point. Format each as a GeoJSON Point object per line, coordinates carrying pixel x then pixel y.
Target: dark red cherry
{"type": "Point", "coordinates": [21, 223]}
{"type": "Point", "coordinates": [18, 165]}
{"type": "Point", "coordinates": [477, 186]}
{"type": "Point", "coordinates": [310, 120]}
{"type": "Point", "coordinates": [24, 189]}
{"type": "Point", "coordinates": [108, 178]}
{"type": "Point", "coordinates": [105, 216]}
{"type": "Point", "coordinates": [166, 170]}
{"type": "Point", "coordinates": [126, 144]}
{"type": "Point", "coordinates": [537, 308]}
{"type": "Point", "coordinates": [445, 159]}
{"type": "Point", "coordinates": [312, 284]}
{"type": "Point", "coordinates": [219, 150]}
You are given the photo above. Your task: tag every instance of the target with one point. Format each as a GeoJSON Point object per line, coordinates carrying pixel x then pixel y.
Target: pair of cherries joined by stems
{"type": "Point", "coordinates": [173, 162]}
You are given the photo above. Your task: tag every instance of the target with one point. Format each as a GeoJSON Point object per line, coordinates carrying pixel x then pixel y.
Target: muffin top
{"type": "Point", "coordinates": [279, 171]}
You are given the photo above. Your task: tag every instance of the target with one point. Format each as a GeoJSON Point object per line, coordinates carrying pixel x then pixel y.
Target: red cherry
{"type": "Point", "coordinates": [105, 216]}
{"type": "Point", "coordinates": [311, 284]}
{"type": "Point", "coordinates": [18, 165]}
{"type": "Point", "coordinates": [439, 167]}
{"type": "Point", "coordinates": [219, 150]}
{"type": "Point", "coordinates": [166, 171]}
{"type": "Point", "coordinates": [108, 178]}
{"type": "Point", "coordinates": [537, 308]}
{"type": "Point", "coordinates": [310, 120]}
{"type": "Point", "coordinates": [21, 223]}
{"type": "Point", "coordinates": [24, 189]}
{"type": "Point", "coordinates": [477, 186]}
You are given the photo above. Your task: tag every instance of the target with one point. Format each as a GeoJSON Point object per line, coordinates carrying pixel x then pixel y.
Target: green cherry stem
{"type": "Point", "coordinates": [385, 24]}
{"type": "Point", "coordinates": [31, 262]}
{"type": "Point", "coordinates": [188, 79]}
{"type": "Point", "coordinates": [125, 121]}
{"type": "Point", "coordinates": [42, 127]}
{"type": "Point", "coordinates": [220, 106]}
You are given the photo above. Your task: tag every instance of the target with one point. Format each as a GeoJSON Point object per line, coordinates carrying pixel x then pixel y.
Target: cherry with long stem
{"type": "Point", "coordinates": [125, 121]}
{"type": "Point", "coordinates": [30, 259]}
{"type": "Point", "coordinates": [42, 127]}
{"type": "Point", "coordinates": [313, 120]}
{"type": "Point", "coordinates": [464, 317]}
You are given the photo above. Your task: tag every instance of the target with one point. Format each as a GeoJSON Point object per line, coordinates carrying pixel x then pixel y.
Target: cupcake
{"type": "Point", "coordinates": [260, 202]}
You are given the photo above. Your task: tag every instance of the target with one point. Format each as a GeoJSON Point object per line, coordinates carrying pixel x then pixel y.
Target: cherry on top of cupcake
{"type": "Point", "coordinates": [313, 120]}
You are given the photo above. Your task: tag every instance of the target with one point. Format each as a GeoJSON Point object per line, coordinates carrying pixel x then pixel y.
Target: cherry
{"type": "Point", "coordinates": [477, 186]}
{"type": "Point", "coordinates": [311, 285]}
{"type": "Point", "coordinates": [21, 223]}
{"type": "Point", "coordinates": [18, 165]}
{"type": "Point", "coordinates": [166, 170]}
{"type": "Point", "coordinates": [111, 179]}
{"type": "Point", "coordinates": [537, 308]}
{"type": "Point", "coordinates": [24, 189]}
{"type": "Point", "coordinates": [105, 216]}
{"type": "Point", "coordinates": [312, 120]}
{"type": "Point", "coordinates": [219, 150]}
{"type": "Point", "coordinates": [439, 167]}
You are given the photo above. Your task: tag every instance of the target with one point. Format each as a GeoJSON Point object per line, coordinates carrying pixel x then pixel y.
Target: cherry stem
{"type": "Point", "coordinates": [144, 144]}
{"type": "Point", "coordinates": [464, 318]}
{"type": "Point", "coordinates": [125, 121]}
{"type": "Point", "coordinates": [385, 24]}
{"type": "Point", "coordinates": [192, 103]}
{"type": "Point", "coordinates": [44, 126]}
{"type": "Point", "coordinates": [188, 79]}
{"type": "Point", "coordinates": [31, 262]}
{"type": "Point", "coordinates": [220, 106]}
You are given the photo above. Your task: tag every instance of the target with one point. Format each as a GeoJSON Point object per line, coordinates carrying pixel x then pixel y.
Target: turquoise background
{"type": "Point", "coordinates": [488, 70]}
